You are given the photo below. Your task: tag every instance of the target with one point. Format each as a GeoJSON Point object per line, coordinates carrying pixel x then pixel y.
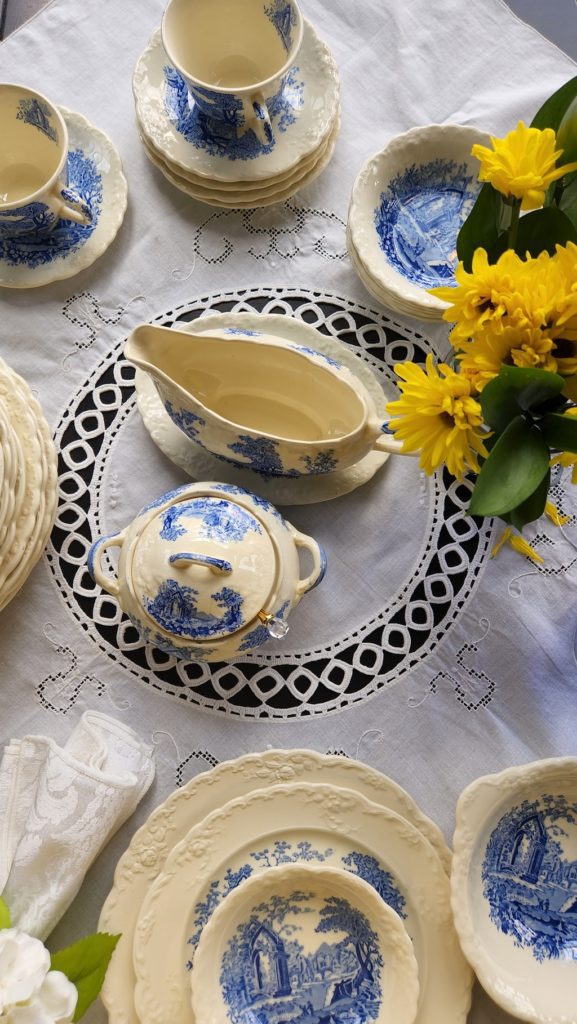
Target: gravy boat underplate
{"type": "Point", "coordinates": [260, 401]}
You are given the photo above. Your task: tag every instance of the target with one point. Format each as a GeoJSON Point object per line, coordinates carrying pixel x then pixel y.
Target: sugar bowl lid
{"type": "Point", "coordinates": [203, 568]}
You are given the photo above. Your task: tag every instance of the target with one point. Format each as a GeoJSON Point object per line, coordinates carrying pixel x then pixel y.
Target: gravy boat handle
{"type": "Point", "coordinates": [104, 580]}
{"type": "Point", "coordinates": [319, 562]}
{"type": "Point", "coordinates": [386, 442]}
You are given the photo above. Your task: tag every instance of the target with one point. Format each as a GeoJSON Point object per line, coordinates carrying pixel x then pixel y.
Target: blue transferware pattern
{"type": "Point", "coordinates": [312, 352]}
{"type": "Point", "coordinates": [219, 106]}
{"type": "Point", "coordinates": [529, 877]}
{"type": "Point", "coordinates": [255, 498]}
{"type": "Point", "coordinates": [220, 520]}
{"type": "Point", "coordinates": [260, 634]}
{"type": "Point", "coordinates": [34, 218]}
{"type": "Point", "coordinates": [260, 454]}
{"type": "Point", "coordinates": [218, 137]}
{"type": "Point", "coordinates": [175, 610]}
{"type": "Point", "coordinates": [268, 976]}
{"type": "Point", "coordinates": [242, 332]}
{"type": "Point", "coordinates": [156, 639]}
{"type": "Point", "coordinates": [284, 852]}
{"type": "Point", "coordinates": [67, 236]}
{"type": "Point", "coordinates": [163, 499]}
{"type": "Point", "coordinates": [35, 112]}
{"type": "Point", "coordinates": [323, 462]}
{"type": "Point", "coordinates": [188, 421]}
{"type": "Point", "coordinates": [283, 17]}
{"type": "Point", "coordinates": [419, 217]}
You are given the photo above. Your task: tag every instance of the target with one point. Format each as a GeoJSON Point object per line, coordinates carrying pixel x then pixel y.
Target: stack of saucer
{"type": "Point", "coordinates": [211, 160]}
{"type": "Point", "coordinates": [224, 845]}
{"type": "Point", "coordinates": [28, 476]}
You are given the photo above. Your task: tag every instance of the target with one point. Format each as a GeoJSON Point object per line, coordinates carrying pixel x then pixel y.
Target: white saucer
{"type": "Point", "coordinates": [95, 171]}
{"type": "Point", "coordinates": [202, 465]}
{"type": "Point", "coordinates": [305, 118]}
{"type": "Point", "coordinates": [266, 196]}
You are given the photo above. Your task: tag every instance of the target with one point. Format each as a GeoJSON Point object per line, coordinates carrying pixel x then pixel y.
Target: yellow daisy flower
{"type": "Point", "coordinates": [438, 416]}
{"type": "Point", "coordinates": [481, 358]}
{"type": "Point", "coordinates": [482, 296]}
{"type": "Point", "coordinates": [523, 164]}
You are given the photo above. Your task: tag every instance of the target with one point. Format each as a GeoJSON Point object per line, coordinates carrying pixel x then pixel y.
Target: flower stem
{"type": "Point", "coordinates": [514, 223]}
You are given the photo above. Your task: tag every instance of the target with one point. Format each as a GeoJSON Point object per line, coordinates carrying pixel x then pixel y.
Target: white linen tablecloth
{"type": "Point", "coordinates": [497, 685]}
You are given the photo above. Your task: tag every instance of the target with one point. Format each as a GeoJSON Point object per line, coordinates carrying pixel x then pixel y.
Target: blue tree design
{"type": "Point", "coordinates": [369, 869]}
{"type": "Point", "coordinates": [175, 609]}
{"type": "Point", "coordinates": [338, 915]}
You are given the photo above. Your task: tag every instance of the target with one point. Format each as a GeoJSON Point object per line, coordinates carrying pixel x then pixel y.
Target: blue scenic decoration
{"type": "Point", "coordinates": [221, 520]}
{"type": "Point", "coordinates": [418, 219]}
{"type": "Point", "coordinates": [530, 882]}
{"type": "Point", "coordinates": [219, 137]}
{"type": "Point", "coordinates": [70, 196]}
{"type": "Point", "coordinates": [188, 421]}
{"type": "Point", "coordinates": [189, 653]}
{"type": "Point", "coordinates": [66, 237]}
{"type": "Point", "coordinates": [323, 462]}
{"type": "Point", "coordinates": [267, 975]}
{"type": "Point", "coordinates": [242, 332]}
{"type": "Point", "coordinates": [260, 454]}
{"type": "Point", "coordinates": [260, 634]}
{"type": "Point", "coordinates": [256, 498]}
{"type": "Point", "coordinates": [219, 106]}
{"type": "Point", "coordinates": [167, 496]}
{"type": "Point", "coordinates": [34, 217]}
{"type": "Point", "coordinates": [37, 113]}
{"type": "Point", "coordinates": [320, 355]}
{"type": "Point", "coordinates": [369, 869]}
{"type": "Point", "coordinates": [176, 611]}
{"type": "Point", "coordinates": [283, 17]}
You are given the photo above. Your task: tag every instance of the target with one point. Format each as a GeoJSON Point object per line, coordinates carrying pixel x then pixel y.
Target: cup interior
{"type": "Point", "coordinates": [231, 44]}
{"type": "Point", "coordinates": [32, 143]}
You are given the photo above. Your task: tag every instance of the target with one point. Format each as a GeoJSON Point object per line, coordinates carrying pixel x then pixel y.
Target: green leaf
{"type": "Point", "coordinates": [481, 229]}
{"type": "Point", "coordinates": [570, 388]}
{"type": "Point", "coordinates": [560, 432]}
{"type": "Point", "coordinates": [568, 202]}
{"type": "Point", "coordinates": [517, 389]}
{"type": "Point", "coordinates": [541, 230]}
{"type": "Point", "coordinates": [554, 109]}
{"type": "Point", "coordinates": [5, 921]}
{"type": "Point", "coordinates": [85, 964]}
{"type": "Point", "coordinates": [533, 507]}
{"type": "Point", "coordinates": [514, 469]}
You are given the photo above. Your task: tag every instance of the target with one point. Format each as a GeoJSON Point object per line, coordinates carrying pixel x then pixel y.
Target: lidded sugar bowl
{"type": "Point", "coordinates": [209, 571]}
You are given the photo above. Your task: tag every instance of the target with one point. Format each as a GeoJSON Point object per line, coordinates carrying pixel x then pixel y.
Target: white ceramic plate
{"type": "Point", "coordinates": [268, 195]}
{"type": "Point", "coordinates": [322, 823]}
{"type": "Point", "coordinates": [95, 170]}
{"type": "Point", "coordinates": [304, 941]}
{"type": "Point", "coordinates": [186, 807]}
{"type": "Point", "coordinates": [312, 121]}
{"type": "Point", "coordinates": [407, 205]}
{"type": "Point", "coordinates": [202, 465]}
{"type": "Point", "coordinates": [514, 888]}
{"type": "Point", "coordinates": [384, 297]}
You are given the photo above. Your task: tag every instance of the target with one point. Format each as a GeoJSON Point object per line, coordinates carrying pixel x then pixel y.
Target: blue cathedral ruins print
{"type": "Point", "coordinates": [530, 877]}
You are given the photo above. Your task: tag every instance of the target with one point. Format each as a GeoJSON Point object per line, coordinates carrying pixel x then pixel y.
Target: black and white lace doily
{"type": "Point", "coordinates": [364, 654]}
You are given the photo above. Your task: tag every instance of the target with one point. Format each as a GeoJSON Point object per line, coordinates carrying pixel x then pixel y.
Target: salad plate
{"type": "Point", "coordinates": [292, 823]}
{"type": "Point", "coordinates": [141, 864]}
{"type": "Point", "coordinates": [385, 298]}
{"type": "Point", "coordinates": [514, 888]}
{"type": "Point", "coordinates": [202, 465]}
{"type": "Point", "coordinates": [306, 942]}
{"type": "Point", "coordinates": [171, 124]}
{"type": "Point", "coordinates": [95, 173]}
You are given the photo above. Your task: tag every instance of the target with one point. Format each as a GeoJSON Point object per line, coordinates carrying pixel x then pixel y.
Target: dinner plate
{"type": "Point", "coordinates": [514, 887]}
{"type": "Point", "coordinates": [303, 122]}
{"type": "Point", "coordinates": [291, 823]}
{"type": "Point", "coordinates": [203, 465]}
{"type": "Point", "coordinates": [304, 942]}
{"type": "Point", "coordinates": [186, 807]}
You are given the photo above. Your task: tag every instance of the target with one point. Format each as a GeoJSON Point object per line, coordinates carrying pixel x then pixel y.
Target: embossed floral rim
{"type": "Point", "coordinates": [481, 806]}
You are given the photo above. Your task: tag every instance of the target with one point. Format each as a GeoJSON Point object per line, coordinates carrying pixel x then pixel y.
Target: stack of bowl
{"type": "Point", "coordinates": [285, 886]}
{"type": "Point", "coordinates": [407, 206]}
{"type": "Point", "coordinates": [237, 105]}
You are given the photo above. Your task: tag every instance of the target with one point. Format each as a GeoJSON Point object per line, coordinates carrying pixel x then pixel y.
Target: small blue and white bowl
{"type": "Point", "coordinates": [514, 887]}
{"type": "Point", "coordinates": [407, 206]}
{"type": "Point", "coordinates": [304, 942]}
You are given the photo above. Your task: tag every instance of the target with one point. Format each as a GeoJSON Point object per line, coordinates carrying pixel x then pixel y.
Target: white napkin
{"type": "Point", "coordinates": [58, 807]}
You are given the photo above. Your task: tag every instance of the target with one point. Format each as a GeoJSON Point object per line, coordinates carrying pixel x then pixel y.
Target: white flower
{"type": "Point", "coordinates": [30, 993]}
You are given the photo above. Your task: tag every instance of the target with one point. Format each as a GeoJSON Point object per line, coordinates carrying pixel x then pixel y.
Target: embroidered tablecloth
{"type": "Point", "coordinates": [419, 654]}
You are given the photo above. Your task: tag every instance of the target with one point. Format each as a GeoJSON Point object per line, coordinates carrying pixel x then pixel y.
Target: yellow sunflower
{"type": "Point", "coordinates": [437, 415]}
{"type": "Point", "coordinates": [523, 164]}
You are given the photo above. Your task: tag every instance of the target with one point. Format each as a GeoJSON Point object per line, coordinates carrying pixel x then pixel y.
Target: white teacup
{"type": "Point", "coordinates": [34, 191]}
{"type": "Point", "coordinates": [234, 55]}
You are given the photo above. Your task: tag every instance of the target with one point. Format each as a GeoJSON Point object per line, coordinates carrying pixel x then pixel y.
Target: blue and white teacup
{"type": "Point", "coordinates": [234, 56]}
{"type": "Point", "coordinates": [34, 192]}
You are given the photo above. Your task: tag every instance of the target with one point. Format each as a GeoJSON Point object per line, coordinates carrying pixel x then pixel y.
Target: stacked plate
{"type": "Point", "coordinates": [222, 168]}
{"type": "Point", "coordinates": [222, 845]}
{"type": "Point", "coordinates": [407, 206]}
{"type": "Point", "coordinates": [28, 477]}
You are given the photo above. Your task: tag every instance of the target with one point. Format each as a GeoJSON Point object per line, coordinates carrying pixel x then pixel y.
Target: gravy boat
{"type": "Point", "coordinates": [259, 401]}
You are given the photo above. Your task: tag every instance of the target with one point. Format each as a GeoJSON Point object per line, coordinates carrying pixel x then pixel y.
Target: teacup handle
{"type": "Point", "coordinates": [258, 118]}
{"type": "Point", "coordinates": [108, 583]}
{"type": "Point", "coordinates": [319, 562]}
{"type": "Point", "coordinates": [72, 207]}
{"type": "Point", "coordinates": [386, 442]}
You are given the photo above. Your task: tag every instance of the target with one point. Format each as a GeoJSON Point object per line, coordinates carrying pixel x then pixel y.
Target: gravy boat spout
{"type": "Point", "coordinates": [261, 401]}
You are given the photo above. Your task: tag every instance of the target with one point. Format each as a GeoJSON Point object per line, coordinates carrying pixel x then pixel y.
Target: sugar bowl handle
{"type": "Point", "coordinates": [104, 580]}
{"type": "Point", "coordinates": [319, 562]}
